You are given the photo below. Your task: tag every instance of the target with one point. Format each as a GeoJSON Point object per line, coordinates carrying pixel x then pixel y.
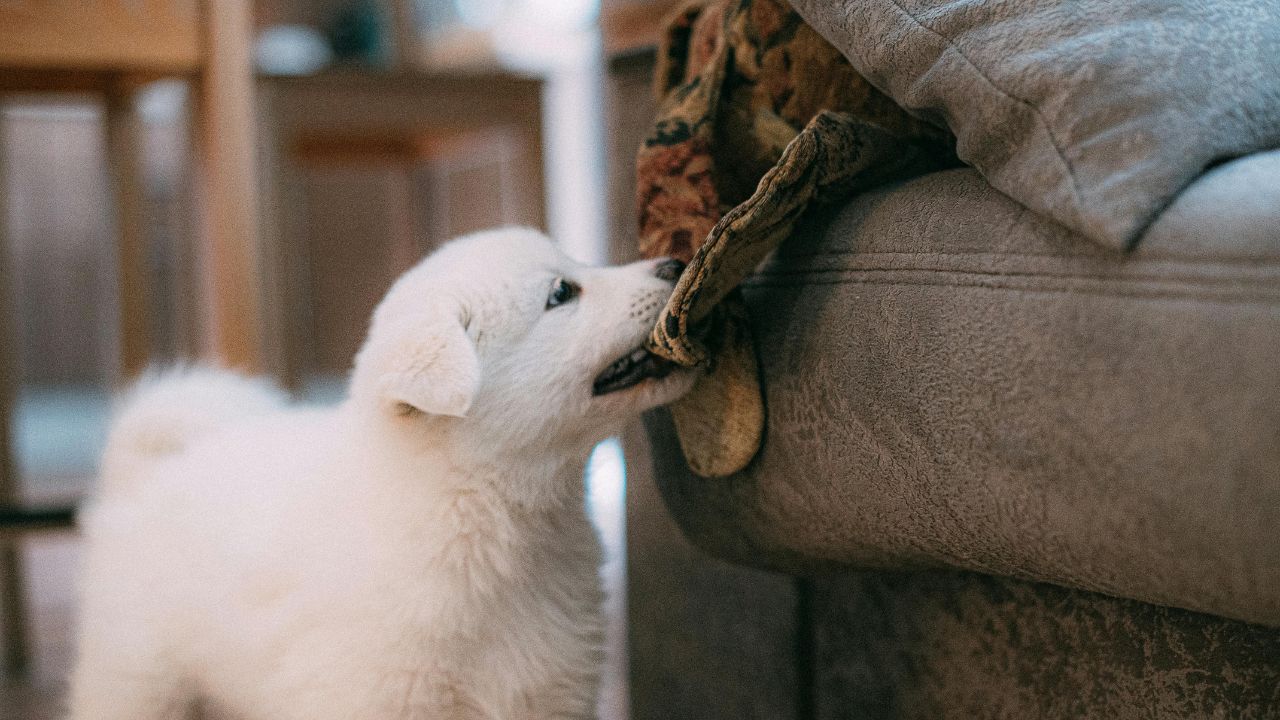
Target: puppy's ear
{"type": "Point", "coordinates": [430, 366]}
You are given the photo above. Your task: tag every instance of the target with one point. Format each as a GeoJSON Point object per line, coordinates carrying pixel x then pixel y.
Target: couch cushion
{"type": "Point", "coordinates": [954, 381]}
{"type": "Point", "coordinates": [1093, 112]}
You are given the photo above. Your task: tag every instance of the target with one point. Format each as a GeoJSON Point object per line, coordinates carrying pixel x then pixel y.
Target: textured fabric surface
{"type": "Point", "coordinates": [711, 640]}
{"type": "Point", "coordinates": [834, 157]}
{"type": "Point", "coordinates": [715, 641]}
{"type": "Point", "coordinates": [737, 80]}
{"type": "Point", "coordinates": [953, 380]}
{"type": "Point", "coordinates": [757, 111]}
{"type": "Point", "coordinates": [1093, 112]}
{"type": "Point", "coordinates": [935, 645]}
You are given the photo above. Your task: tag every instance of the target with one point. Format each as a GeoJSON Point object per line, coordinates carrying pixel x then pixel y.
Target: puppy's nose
{"type": "Point", "coordinates": [669, 269]}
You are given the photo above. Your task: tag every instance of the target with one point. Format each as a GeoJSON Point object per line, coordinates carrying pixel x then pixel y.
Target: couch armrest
{"type": "Point", "coordinates": [954, 381]}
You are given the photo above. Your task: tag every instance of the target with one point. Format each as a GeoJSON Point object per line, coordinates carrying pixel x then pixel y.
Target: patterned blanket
{"type": "Point", "coordinates": [760, 119]}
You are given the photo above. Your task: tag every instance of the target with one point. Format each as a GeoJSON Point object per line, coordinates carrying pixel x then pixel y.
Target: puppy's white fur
{"type": "Point", "coordinates": [419, 551]}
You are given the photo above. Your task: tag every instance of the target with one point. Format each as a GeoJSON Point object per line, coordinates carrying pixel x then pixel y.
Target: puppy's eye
{"type": "Point", "coordinates": [562, 291]}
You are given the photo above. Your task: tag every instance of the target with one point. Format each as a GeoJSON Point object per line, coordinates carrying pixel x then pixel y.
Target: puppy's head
{"type": "Point", "coordinates": [519, 344]}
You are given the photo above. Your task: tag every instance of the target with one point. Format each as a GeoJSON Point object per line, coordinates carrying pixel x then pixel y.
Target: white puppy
{"type": "Point", "coordinates": [419, 551]}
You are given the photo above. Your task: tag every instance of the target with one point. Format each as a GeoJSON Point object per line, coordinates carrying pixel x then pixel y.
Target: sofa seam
{"type": "Point", "coordinates": [1151, 294]}
{"type": "Point", "coordinates": [1128, 259]}
{"type": "Point", "coordinates": [1119, 278]}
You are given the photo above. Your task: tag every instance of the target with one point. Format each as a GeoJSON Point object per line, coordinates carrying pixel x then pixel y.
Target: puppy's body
{"type": "Point", "coordinates": [421, 551]}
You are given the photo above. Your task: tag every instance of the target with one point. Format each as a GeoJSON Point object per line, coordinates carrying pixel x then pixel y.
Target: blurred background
{"type": "Point", "coordinates": [240, 181]}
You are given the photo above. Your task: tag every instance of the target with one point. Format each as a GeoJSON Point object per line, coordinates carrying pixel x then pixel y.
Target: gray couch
{"type": "Point", "coordinates": [953, 382]}
{"type": "Point", "coordinates": [1010, 470]}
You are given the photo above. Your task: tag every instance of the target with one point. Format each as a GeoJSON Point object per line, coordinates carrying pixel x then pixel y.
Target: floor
{"type": "Point", "coordinates": [58, 435]}
{"type": "Point", "coordinates": [50, 561]}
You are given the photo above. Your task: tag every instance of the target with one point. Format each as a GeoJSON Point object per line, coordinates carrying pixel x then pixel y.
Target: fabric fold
{"type": "Point", "coordinates": [760, 120]}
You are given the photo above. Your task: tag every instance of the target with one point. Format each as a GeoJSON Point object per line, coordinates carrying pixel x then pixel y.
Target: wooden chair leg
{"type": "Point", "coordinates": [13, 616]}
{"type": "Point", "coordinates": [227, 192]}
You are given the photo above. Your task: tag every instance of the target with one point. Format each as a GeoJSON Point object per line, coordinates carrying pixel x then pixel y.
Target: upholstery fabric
{"type": "Point", "coordinates": [1092, 112]}
{"type": "Point", "coordinates": [938, 645]}
{"type": "Point", "coordinates": [737, 80]}
{"type": "Point", "coordinates": [711, 640]}
{"type": "Point", "coordinates": [758, 112]}
{"type": "Point", "coordinates": [952, 380]}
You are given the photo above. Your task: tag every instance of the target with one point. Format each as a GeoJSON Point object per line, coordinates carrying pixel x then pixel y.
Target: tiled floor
{"type": "Point", "coordinates": [59, 434]}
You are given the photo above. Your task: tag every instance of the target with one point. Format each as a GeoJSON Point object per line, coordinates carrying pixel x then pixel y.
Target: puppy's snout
{"type": "Point", "coordinates": [668, 269]}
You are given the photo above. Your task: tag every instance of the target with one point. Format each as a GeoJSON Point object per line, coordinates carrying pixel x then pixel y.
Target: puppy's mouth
{"type": "Point", "coordinates": [630, 370]}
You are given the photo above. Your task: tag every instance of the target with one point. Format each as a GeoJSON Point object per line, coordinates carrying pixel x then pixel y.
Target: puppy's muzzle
{"type": "Point", "coordinates": [668, 269]}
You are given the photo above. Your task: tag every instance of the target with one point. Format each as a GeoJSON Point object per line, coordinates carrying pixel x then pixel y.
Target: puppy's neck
{"type": "Point", "coordinates": [529, 486]}
{"type": "Point", "coordinates": [439, 454]}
